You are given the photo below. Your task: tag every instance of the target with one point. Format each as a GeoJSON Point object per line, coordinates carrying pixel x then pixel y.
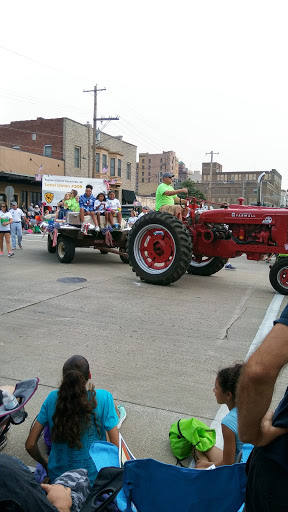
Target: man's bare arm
{"type": "Point", "coordinates": [174, 192]}
{"type": "Point", "coordinates": [256, 386]}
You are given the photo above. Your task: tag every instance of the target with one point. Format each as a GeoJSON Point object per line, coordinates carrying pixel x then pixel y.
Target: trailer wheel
{"type": "Point", "coordinates": [65, 249]}
{"type": "Point", "coordinates": [124, 259]}
{"type": "Point", "coordinates": [50, 247]}
{"type": "Point", "coordinates": [279, 276]}
{"type": "Point", "coordinates": [206, 266]}
{"type": "Point", "coordinates": [159, 248]}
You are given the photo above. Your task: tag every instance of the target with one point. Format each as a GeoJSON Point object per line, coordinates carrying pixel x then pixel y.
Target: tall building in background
{"type": "Point", "coordinates": [228, 186]}
{"type": "Point", "coordinates": [150, 169]}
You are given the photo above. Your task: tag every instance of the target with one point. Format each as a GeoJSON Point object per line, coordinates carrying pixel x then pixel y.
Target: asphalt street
{"type": "Point", "coordinates": [157, 349]}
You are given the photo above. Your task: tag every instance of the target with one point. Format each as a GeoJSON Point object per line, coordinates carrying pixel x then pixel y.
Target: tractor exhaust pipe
{"type": "Point", "coordinates": [259, 189]}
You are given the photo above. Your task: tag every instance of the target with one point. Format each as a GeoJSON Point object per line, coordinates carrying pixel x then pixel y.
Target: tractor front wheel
{"type": "Point", "coordinates": [279, 276]}
{"type": "Point", "coordinates": [159, 248]}
{"type": "Point", "coordinates": [205, 265]}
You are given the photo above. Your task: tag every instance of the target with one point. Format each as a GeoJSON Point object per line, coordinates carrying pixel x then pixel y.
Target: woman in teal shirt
{"type": "Point", "coordinates": [77, 415]}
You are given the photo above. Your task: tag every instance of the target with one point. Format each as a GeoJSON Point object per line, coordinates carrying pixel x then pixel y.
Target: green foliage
{"type": "Point", "coordinates": [192, 190]}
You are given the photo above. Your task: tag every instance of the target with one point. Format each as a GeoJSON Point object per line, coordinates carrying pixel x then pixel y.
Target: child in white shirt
{"type": "Point", "coordinates": [100, 208]}
{"type": "Point", "coordinates": [113, 207]}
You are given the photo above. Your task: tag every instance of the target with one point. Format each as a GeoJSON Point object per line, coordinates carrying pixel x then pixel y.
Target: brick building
{"type": "Point", "coordinates": [71, 142]}
{"type": "Point", "coordinates": [228, 186]}
{"type": "Point", "coordinates": [150, 169]}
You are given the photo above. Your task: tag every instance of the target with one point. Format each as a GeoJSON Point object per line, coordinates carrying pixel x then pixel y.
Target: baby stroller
{"type": "Point", "coordinates": [24, 390]}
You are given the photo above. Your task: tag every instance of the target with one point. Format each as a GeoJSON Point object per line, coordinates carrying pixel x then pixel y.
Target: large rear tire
{"type": "Point", "coordinates": [50, 247]}
{"type": "Point", "coordinates": [206, 266]}
{"type": "Point", "coordinates": [159, 248]}
{"type": "Point", "coordinates": [65, 249]}
{"type": "Point", "coordinates": [279, 276]}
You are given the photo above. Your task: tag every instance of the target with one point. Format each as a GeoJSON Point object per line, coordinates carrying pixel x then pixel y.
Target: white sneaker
{"type": "Point", "coordinates": [97, 228]}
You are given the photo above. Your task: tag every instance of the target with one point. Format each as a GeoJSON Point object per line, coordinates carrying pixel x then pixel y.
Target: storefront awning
{"type": "Point", "coordinates": [128, 196]}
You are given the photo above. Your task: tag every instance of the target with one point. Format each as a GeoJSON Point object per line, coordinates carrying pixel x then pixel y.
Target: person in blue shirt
{"type": "Point", "coordinates": [86, 203]}
{"type": "Point", "coordinates": [77, 415]}
{"type": "Point", "coordinates": [225, 393]}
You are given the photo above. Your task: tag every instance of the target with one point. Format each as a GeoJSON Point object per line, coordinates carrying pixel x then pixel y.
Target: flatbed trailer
{"type": "Point", "coordinates": [63, 241]}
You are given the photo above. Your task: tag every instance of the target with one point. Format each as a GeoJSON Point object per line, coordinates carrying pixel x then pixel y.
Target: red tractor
{"type": "Point", "coordinates": [161, 248]}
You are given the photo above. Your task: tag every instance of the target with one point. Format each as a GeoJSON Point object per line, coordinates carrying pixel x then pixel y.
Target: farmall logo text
{"type": "Point", "coordinates": [246, 215]}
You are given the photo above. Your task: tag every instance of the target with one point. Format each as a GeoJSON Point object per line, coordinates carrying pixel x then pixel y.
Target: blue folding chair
{"type": "Point", "coordinates": [156, 487]}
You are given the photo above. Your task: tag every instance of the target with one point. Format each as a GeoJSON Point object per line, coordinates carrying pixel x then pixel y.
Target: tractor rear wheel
{"type": "Point", "coordinates": [279, 276]}
{"type": "Point", "coordinates": [159, 248]}
{"type": "Point", "coordinates": [65, 249]}
{"type": "Point", "coordinates": [206, 266]}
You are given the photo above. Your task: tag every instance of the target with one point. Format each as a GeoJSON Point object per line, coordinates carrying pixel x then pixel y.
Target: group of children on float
{"type": "Point", "coordinates": [96, 207]}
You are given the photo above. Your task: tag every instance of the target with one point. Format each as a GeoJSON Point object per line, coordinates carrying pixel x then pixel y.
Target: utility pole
{"type": "Point", "coordinates": [95, 119]}
{"type": "Point", "coordinates": [211, 169]}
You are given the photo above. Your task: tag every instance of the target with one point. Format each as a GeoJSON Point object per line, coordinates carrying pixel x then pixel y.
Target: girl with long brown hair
{"type": "Point", "coordinates": [77, 415]}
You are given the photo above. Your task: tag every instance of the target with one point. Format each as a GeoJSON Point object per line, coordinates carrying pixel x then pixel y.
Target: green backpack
{"type": "Point", "coordinates": [184, 434]}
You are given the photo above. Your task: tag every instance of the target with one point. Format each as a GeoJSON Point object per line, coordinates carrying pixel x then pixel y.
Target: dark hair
{"type": "Point", "coordinates": [74, 410]}
{"type": "Point", "coordinates": [111, 192]}
{"type": "Point", "coordinates": [74, 192]}
{"type": "Point", "coordinates": [2, 202]}
{"type": "Point", "coordinates": [228, 378]}
{"type": "Point", "coordinates": [89, 186]}
{"type": "Point", "coordinates": [101, 194]}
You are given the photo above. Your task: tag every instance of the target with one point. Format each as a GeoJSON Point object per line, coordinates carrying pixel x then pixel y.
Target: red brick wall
{"type": "Point", "coordinates": [48, 132]}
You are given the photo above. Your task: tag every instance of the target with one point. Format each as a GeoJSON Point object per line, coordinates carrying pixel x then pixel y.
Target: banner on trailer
{"type": "Point", "coordinates": [55, 187]}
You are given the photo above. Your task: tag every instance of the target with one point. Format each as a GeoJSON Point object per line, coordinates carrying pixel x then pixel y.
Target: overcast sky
{"type": "Point", "coordinates": [189, 76]}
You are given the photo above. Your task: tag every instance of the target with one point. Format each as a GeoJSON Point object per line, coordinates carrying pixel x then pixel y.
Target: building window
{"type": "Point", "coordinates": [47, 150]}
{"type": "Point", "coordinates": [149, 167]}
{"type": "Point", "coordinates": [160, 167]}
{"type": "Point", "coordinates": [15, 147]}
{"type": "Point", "coordinates": [112, 166]}
{"type": "Point", "coordinates": [104, 161]}
{"type": "Point", "coordinates": [33, 136]}
{"type": "Point", "coordinates": [142, 180]}
{"type": "Point", "coordinates": [149, 160]}
{"type": "Point", "coordinates": [143, 160]}
{"type": "Point", "coordinates": [119, 168]}
{"type": "Point", "coordinates": [160, 160]}
{"type": "Point", "coordinates": [77, 157]}
{"type": "Point", "coordinates": [143, 167]}
{"type": "Point", "coordinates": [142, 173]}
{"type": "Point", "coordinates": [35, 197]}
{"type": "Point", "coordinates": [149, 173]}
{"type": "Point", "coordinates": [149, 180]}
{"type": "Point", "coordinates": [98, 162]}
{"type": "Point", "coordinates": [128, 174]}
{"type": "Point", "coordinates": [24, 197]}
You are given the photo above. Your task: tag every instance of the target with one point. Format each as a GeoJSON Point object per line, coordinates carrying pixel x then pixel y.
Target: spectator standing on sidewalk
{"type": "Point", "coordinates": [5, 223]}
{"type": "Point", "coordinates": [16, 226]}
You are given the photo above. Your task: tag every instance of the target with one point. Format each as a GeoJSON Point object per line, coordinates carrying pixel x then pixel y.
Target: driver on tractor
{"type": "Point", "coordinates": [166, 197]}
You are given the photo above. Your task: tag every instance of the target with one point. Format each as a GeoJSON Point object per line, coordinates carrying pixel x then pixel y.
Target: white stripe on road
{"type": "Point", "coordinates": [265, 327]}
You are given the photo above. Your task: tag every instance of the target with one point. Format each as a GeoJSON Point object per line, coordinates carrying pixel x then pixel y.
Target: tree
{"type": "Point", "coordinates": [192, 190]}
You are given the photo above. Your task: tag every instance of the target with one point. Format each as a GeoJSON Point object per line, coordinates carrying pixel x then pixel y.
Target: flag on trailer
{"type": "Point", "coordinates": [107, 183]}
